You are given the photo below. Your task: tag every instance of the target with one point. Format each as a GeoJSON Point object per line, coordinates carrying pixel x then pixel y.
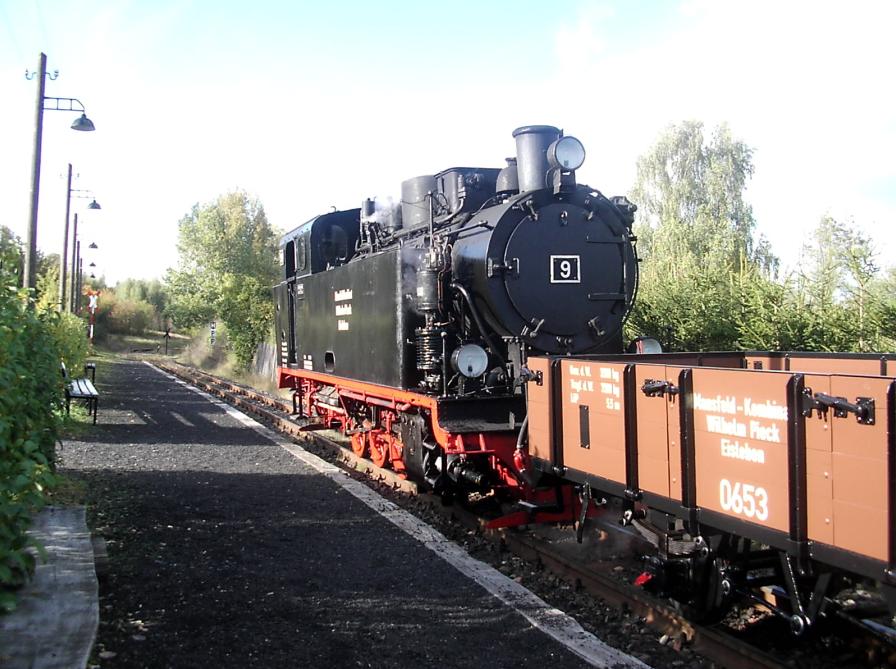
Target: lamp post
{"type": "Point", "coordinates": [76, 252]}
{"type": "Point", "coordinates": [78, 271]}
{"type": "Point", "coordinates": [63, 264]}
{"type": "Point", "coordinates": [82, 123]}
{"type": "Point", "coordinates": [76, 279]}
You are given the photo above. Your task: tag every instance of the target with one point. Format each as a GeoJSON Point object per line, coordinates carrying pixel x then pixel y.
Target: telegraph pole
{"type": "Point", "coordinates": [76, 250]}
{"type": "Point", "coordinates": [63, 261]}
{"type": "Point", "coordinates": [31, 241]}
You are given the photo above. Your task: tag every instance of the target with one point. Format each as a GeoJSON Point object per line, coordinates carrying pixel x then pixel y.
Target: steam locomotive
{"type": "Point", "coordinates": [470, 337]}
{"type": "Point", "coordinates": [409, 326]}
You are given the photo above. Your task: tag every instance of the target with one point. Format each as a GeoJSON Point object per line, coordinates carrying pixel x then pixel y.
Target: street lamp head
{"type": "Point", "coordinates": [92, 275]}
{"type": "Point", "coordinates": [83, 123]}
{"type": "Point", "coordinates": [93, 245]}
{"type": "Point", "coordinates": [93, 264]}
{"type": "Point", "coordinates": [94, 205]}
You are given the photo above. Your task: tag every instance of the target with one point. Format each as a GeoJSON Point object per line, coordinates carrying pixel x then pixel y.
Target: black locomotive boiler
{"type": "Point", "coordinates": [409, 326]}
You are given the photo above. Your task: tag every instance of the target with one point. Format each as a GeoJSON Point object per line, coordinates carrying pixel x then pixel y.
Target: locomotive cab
{"type": "Point", "coordinates": [324, 242]}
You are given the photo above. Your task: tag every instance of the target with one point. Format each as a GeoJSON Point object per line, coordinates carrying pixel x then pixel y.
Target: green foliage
{"type": "Point", "coordinates": [843, 303]}
{"type": "Point", "coordinates": [690, 197]}
{"type": "Point", "coordinates": [254, 321]}
{"type": "Point", "coordinates": [152, 292]}
{"type": "Point", "coordinates": [69, 334]}
{"type": "Point", "coordinates": [703, 269]}
{"type": "Point", "coordinates": [30, 392]}
{"type": "Point", "coordinates": [32, 342]}
{"type": "Point", "coordinates": [883, 295]}
{"type": "Point", "coordinates": [11, 257]}
{"type": "Point", "coordinates": [47, 282]}
{"type": "Point", "coordinates": [130, 317]}
{"type": "Point", "coordinates": [227, 264]}
{"type": "Point", "coordinates": [105, 304]}
{"type": "Point", "coordinates": [708, 283]}
{"type": "Point", "coordinates": [122, 315]}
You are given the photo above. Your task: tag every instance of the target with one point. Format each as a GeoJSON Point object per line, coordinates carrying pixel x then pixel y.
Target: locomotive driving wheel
{"type": "Point", "coordinates": [359, 444]}
{"type": "Point", "coordinates": [379, 443]}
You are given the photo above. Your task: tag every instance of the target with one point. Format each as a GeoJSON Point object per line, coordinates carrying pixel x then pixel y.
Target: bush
{"type": "Point", "coordinates": [69, 333]}
{"type": "Point", "coordinates": [105, 304]}
{"type": "Point", "coordinates": [30, 400]}
{"type": "Point", "coordinates": [130, 317]}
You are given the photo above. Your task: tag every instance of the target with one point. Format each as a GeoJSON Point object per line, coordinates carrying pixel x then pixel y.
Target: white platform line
{"type": "Point", "coordinates": [539, 613]}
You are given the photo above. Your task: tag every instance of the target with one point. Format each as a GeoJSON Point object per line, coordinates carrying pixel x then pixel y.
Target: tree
{"type": "Point", "coordinates": [152, 292]}
{"type": "Point", "coordinates": [883, 290]}
{"type": "Point", "coordinates": [703, 267]}
{"type": "Point", "coordinates": [47, 288]}
{"type": "Point", "coordinates": [228, 261]}
{"type": "Point", "coordinates": [11, 257]}
{"type": "Point", "coordinates": [690, 196]}
{"type": "Point", "coordinates": [844, 302]}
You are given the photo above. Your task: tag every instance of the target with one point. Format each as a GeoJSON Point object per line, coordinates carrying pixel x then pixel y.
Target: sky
{"type": "Point", "coordinates": [308, 105]}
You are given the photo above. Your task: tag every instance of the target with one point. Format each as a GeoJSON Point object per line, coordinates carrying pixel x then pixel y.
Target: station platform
{"type": "Point", "coordinates": [56, 616]}
{"type": "Point", "coordinates": [231, 546]}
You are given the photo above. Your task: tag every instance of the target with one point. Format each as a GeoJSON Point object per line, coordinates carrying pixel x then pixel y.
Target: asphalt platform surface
{"type": "Point", "coordinates": [227, 551]}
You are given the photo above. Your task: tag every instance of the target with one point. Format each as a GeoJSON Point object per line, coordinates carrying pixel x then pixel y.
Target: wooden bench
{"type": "Point", "coordinates": [81, 389]}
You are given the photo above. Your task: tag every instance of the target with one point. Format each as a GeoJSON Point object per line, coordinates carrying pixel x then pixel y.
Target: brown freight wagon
{"type": "Point", "coordinates": [792, 451]}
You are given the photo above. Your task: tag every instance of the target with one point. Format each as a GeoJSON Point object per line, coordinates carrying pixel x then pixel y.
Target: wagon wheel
{"type": "Point", "coordinates": [379, 448]}
{"type": "Point", "coordinates": [359, 444]}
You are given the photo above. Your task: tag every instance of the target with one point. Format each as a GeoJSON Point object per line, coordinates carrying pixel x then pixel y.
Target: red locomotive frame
{"type": "Point", "coordinates": [383, 446]}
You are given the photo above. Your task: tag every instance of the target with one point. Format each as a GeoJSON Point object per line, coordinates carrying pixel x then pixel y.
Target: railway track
{"type": "Point", "coordinates": [715, 644]}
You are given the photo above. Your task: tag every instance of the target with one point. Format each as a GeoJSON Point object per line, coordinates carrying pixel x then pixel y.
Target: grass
{"type": "Point", "coordinates": [76, 423]}
{"type": "Point", "coordinates": [152, 342]}
{"type": "Point", "coordinates": [220, 362]}
{"type": "Point", "coordinates": [68, 491]}
{"type": "Point", "coordinates": [194, 351]}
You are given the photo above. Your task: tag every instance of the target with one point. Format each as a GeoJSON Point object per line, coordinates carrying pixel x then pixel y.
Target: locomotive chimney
{"type": "Point", "coordinates": [532, 142]}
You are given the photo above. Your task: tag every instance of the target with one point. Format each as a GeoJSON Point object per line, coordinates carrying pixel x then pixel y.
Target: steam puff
{"type": "Point", "coordinates": [387, 212]}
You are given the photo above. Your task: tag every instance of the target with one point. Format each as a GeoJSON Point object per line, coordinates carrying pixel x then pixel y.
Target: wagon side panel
{"type": "Point", "coordinates": [539, 409]}
{"type": "Point", "coordinates": [594, 418]}
{"type": "Point", "coordinates": [860, 469]}
{"type": "Point", "coordinates": [819, 467]}
{"type": "Point", "coordinates": [740, 441]}
{"type": "Point", "coordinates": [653, 432]}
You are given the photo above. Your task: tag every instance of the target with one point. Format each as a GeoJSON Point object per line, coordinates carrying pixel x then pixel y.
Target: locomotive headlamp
{"type": "Point", "coordinates": [470, 360]}
{"type": "Point", "coordinates": [567, 153]}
